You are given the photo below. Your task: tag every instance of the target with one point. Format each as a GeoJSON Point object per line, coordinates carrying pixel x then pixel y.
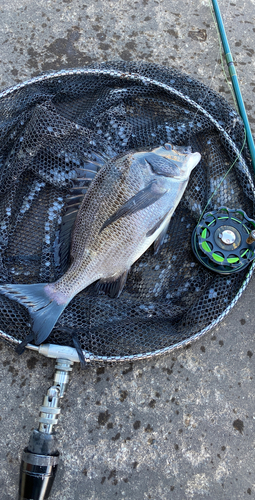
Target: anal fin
{"type": "Point", "coordinates": [113, 285]}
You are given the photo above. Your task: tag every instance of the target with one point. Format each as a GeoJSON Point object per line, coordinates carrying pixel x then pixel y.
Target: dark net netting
{"type": "Point", "coordinates": [56, 124]}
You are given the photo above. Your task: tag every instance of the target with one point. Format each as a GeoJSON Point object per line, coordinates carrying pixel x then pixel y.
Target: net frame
{"type": "Point", "coordinates": [136, 74]}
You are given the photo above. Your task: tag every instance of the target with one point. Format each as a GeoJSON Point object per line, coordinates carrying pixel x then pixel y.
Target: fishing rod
{"type": "Point", "coordinates": [234, 79]}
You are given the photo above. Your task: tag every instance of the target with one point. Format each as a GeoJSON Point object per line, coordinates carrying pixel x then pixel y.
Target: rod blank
{"type": "Point", "coordinates": [234, 79]}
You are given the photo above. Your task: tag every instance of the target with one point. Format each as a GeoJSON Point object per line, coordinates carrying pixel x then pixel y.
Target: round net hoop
{"type": "Point", "coordinates": [55, 123]}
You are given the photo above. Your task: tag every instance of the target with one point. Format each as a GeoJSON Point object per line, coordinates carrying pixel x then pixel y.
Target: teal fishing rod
{"type": "Point", "coordinates": [234, 79]}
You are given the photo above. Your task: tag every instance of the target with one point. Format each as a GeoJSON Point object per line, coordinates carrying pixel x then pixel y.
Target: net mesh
{"type": "Point", "coordinates": [55, 124]}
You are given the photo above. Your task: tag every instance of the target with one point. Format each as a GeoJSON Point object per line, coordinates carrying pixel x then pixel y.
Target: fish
{"type": "Point", "coordinates": [127, 208]}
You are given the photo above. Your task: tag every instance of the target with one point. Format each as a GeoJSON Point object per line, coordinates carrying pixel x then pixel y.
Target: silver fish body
{"type": "Point", "coordinates": [127, 207]}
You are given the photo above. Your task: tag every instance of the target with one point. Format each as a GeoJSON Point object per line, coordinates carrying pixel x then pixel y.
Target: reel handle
{"type": "Point", "coordinates": [251, 237]}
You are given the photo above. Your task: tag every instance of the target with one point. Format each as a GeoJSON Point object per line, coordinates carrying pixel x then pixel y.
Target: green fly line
{"type": "Point", "coordinates": [223, 178]}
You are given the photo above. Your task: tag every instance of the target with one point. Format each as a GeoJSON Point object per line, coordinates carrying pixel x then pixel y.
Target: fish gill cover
{"type": "Point", "coordinates": [56, 132]}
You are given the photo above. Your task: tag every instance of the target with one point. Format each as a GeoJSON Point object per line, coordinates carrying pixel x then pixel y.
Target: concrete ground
{"type": "Point", "coordinates": [176, 427]}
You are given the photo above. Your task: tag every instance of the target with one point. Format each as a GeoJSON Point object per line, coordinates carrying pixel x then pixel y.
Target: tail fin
{"type": "Point", "coordinates": [43, 310]}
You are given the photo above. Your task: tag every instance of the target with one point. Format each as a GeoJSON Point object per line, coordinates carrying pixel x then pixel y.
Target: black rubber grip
{"type": "Point", "coordinates": [37, 473]}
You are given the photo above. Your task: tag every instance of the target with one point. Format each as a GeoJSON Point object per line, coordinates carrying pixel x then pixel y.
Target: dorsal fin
{"type": "Point", "coordinates": [74, 198]}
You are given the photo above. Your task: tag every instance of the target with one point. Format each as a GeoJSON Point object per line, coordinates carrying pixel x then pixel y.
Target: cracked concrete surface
{"type": "Point", "coordinates": [180, 426]}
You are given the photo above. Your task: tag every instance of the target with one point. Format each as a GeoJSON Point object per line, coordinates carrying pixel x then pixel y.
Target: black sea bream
{"type": "Point", "coordinates": [127, 207]}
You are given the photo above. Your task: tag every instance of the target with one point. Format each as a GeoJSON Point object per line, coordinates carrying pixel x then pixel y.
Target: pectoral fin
{"type": "Point", "coordinates": [141, 200]}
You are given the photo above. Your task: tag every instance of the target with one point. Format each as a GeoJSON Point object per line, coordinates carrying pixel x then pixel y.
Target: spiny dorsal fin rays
{"type": "Point", "coordinates": [85, 175]}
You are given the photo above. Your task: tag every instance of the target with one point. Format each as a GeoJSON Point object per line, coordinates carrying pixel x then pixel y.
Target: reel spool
{"type": "Point", "coordinates": [224, 240]}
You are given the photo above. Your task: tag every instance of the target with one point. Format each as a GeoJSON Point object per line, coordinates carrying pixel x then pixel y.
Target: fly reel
{"type": "Point", "coordinates": [224, 240]}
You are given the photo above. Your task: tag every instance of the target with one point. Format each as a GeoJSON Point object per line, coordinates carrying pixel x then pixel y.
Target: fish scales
{"type": "Point", "coordinates": [110, 252]}
{"type": "Point", "coordinates": [127, 207]}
